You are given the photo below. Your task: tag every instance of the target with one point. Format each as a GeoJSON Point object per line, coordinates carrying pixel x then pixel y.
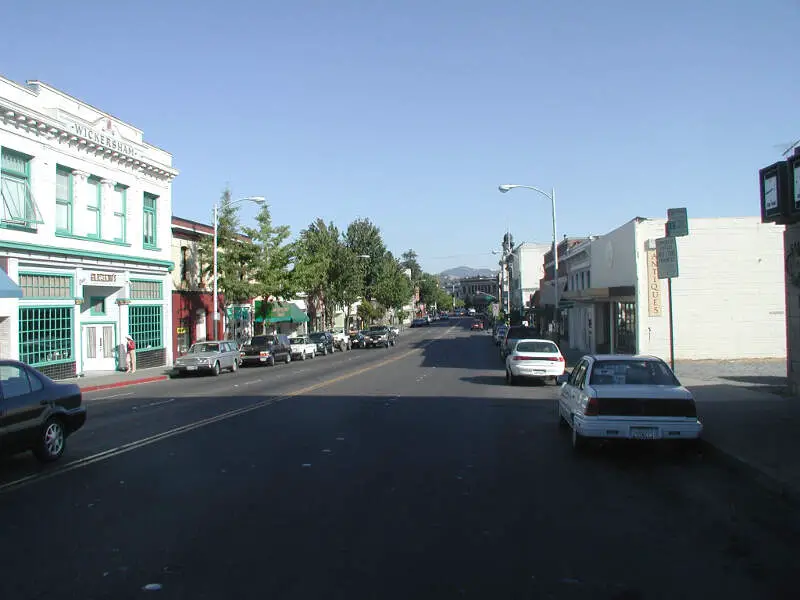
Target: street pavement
{"type": "Point", "coordinates": [409, 472]}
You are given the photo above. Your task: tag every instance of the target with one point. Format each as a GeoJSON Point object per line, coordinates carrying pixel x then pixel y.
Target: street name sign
{"type": "Point", "coordinates": [677, 222]}
{"type": "Point", "coordinates": [667, 256]}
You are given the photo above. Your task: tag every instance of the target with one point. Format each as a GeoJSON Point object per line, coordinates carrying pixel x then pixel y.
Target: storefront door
{"type": "Point", "coordinates": [99, 348]}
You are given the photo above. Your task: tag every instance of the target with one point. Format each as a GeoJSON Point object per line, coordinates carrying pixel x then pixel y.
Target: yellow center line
{"type": "Point", "coordinates": [141, 443]}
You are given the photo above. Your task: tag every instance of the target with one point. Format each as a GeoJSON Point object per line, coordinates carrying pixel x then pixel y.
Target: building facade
{"type": "Point", "coordinates": [192, 294]}
{"type": "Point", "coordinates": [728, 300]}
{"type": "Point", "coordinates": [474, 291]}
{"type": "Point", "coordinates": [526, 270]}
{"type": "Point", "coordinates": [85, 232]}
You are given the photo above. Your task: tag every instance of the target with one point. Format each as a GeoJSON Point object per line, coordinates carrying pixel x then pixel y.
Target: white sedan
{"type": "Point", "coordinates": [534, 359]}
{"type": "Point", "coordinates": [626, 397]}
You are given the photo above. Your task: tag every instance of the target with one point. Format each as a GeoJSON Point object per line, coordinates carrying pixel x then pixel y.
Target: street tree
{"type": "Point", "coordinates": [392, 287]}
{"type": "Point", "coordinates": [364, 238]}
{"type": "Point", "coordinates": [409, 260]}
{"type": "Point", "coordinates": [236, 255]}
{"type": "Point", "coordinates": [428, 289]}
{"type": "Point", "coordinates": [271, 270]}
{"type": "Point", "coordinates": [314, 252]}
{"type": "Point", "coordinates": [345, 280]}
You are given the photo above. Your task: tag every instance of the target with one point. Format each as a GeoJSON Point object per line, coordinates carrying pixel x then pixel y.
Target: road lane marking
{"type": "Point", "coordinates": [113, 396]}
{"type": "Point", "coordinates": [176, 431]}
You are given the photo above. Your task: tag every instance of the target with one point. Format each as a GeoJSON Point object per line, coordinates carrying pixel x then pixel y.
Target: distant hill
{"type": "Point", "coordinates": [459, 272]}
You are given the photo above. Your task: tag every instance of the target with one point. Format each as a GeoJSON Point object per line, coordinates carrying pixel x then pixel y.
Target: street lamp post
{"type": "Point", "coordinates": [256, 200]}
{"type": "Point", "coordinates": [552, 197]}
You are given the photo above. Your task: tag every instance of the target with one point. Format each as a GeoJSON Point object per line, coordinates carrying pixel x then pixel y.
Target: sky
{"type": "Point", "coordinates": [412, 112]}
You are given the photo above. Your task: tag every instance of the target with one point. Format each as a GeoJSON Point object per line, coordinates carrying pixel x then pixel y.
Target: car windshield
{"type": "Point", "coordinates": [317, 336]}
{"type": "Point", "coordinates": [261, 340]}
{"type": "Point", "coordinates": [537, 346]}
{"type": "Point", "coordinates": [198, 348]}
{"type": "Point", "coordinates": [299, 340]}
{"type": "Point", "coordinates": [520, 333]}
{"type": "Point", "coordinates": [632, 372]}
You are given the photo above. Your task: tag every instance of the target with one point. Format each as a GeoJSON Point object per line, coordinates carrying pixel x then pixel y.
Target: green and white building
{"type": "Point", "coordinates": [84, 232]}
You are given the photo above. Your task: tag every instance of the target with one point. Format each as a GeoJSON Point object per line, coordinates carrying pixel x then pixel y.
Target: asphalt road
{"type": "Point", "coordinates": [412, 472]}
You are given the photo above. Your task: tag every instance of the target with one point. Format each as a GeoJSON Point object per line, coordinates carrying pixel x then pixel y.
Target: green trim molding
{"type": "Point", "coordinates": [40, 249]}
{"type": "Point", "coordinates": [71, 236]}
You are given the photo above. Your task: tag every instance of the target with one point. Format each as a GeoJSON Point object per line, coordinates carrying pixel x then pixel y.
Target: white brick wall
{"type": "Point", "coordinates": [729, 297]}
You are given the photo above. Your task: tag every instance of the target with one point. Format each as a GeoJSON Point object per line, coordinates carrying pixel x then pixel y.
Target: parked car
{"type": "Point", "coordinates": [341, 340]}
{"type": "Point", "coordinates": [266, 350]}
{"type": "Point", "coordinates": [513, 335]}
{"type": "Point", "coordinates": [36, 413]}
{"type": "Point", "coordinates": [380, 335]}
{"type": "Point", "coordinates": [626, 397]}
{"type": "Point", "coordinates": [208, 357]}
{"type": "Point", "coordinates": [302, 348]}
{"type": "Point", "coordinates": [358, 339]}
{"type": "Point", "coordinates": [323, 341]}
{"type": "Point", "coordinates": [421, 322]}
{"type": "Point", "coordinates": [534, 359]}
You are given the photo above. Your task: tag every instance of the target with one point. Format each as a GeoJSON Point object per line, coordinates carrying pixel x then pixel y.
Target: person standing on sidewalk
{"type": "Point", "coordinates": [130, 358]}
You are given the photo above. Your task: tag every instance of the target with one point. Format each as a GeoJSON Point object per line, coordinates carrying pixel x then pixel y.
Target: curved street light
{"type": "Point", "coordinates": [507, 187]}
{"type": "Point", "coordinates": [259, 200]}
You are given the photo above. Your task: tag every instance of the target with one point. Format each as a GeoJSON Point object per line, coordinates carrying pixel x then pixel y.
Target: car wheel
{"type": "Point", "coordinates": [52, 441]}
{"type": "Point", "coordinates": [235, 366]}
{"type": "Point", "coordinates": [215, 370]}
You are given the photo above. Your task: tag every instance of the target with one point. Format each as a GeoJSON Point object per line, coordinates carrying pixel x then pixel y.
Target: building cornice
{"type": "Point", "coordinates": [50, 129]}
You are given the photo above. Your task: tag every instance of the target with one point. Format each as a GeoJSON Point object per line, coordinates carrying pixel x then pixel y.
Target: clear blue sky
{"type": "Point", "coordinates": [412, 112]}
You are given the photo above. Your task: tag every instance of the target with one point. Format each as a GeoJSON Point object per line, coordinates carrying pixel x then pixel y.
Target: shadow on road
{"type": "Point", "coordinates": [500, 379]}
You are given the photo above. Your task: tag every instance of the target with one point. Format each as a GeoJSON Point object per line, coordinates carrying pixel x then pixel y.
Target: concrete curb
{"type": "Point", "coordinates": [741, 466]}
{"type": "Point", "coordinates": [123, 383]}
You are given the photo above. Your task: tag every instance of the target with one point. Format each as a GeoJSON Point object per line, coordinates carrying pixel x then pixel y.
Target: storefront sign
{"type": "Point", "coordinates": [180, 330]}
{"type": "Point", "coordinates": [653, 285]}
{"type": "Point", "coordinates": [105, 135]}
{"type": "Point", "coordinates": [103, 277]}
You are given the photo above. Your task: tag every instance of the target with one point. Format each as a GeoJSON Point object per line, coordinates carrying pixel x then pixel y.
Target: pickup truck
{"type": "Point", "coordinates": [302, 348]}
{"type": "Point", "coordinates": [341, 340]}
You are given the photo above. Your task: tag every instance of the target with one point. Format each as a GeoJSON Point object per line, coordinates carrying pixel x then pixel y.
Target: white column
{"type": "Point", "coordinates": [106, 211]}
{"type": "Point", "coordinates": [79, 202]}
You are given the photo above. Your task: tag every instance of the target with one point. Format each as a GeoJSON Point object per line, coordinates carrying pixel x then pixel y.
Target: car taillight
{"type": "Point", "coordinates": [560, 358]}
{"type": "Point", "coordinates": [262, 353]}
{"type": "Point", "coordinates": [592, 408]}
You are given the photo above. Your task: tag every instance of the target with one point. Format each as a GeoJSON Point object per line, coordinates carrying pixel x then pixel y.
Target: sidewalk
{"type": "Point", "coordinates": [749, 419]}
{"type": "Point", "coordinates": [104, 380]}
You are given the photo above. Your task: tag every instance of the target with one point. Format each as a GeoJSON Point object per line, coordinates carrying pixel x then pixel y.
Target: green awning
{"type": "Point", "coordinates": [281, 313]}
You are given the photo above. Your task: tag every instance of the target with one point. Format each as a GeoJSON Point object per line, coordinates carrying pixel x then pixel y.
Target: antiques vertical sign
{"type": "Point", "coordinates": [653, 285]}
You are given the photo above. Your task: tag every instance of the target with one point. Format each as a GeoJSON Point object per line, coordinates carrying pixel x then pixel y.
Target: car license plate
{"type": "Point", "coordinates": [644, 433]}
{"type": "Point", "coordinates": [191, 368]}
{"type": "Point", "coordinates": [538, 372]}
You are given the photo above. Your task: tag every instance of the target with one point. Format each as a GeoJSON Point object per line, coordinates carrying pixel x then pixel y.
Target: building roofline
{"type": "Point", "coordinates": [47, 86]}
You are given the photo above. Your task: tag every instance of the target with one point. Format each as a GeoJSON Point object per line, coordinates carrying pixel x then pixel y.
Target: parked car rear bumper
{"type": "Point", "coordinates": [74, 418]}
{"type": "Point", "coordinates": [625, 428]}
